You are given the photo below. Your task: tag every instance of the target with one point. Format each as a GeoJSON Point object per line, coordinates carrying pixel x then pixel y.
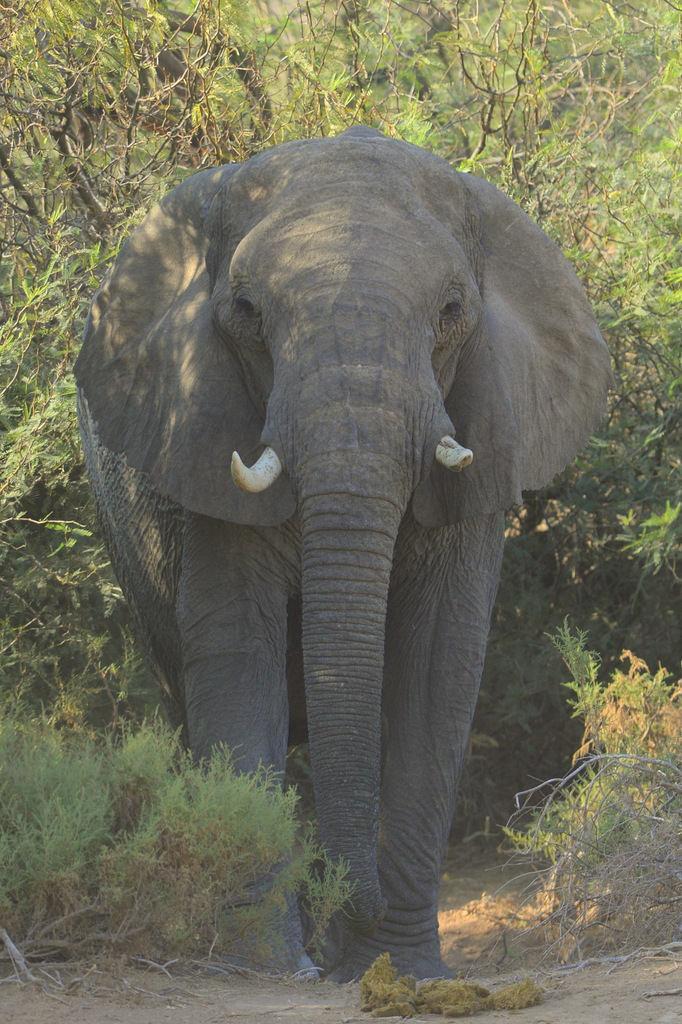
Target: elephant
{"type": "Point", "coordinates": [310, 386]}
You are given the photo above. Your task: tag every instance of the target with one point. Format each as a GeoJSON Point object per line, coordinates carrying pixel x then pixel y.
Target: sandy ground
{"type": "Point", "coordinates": [478, 941]}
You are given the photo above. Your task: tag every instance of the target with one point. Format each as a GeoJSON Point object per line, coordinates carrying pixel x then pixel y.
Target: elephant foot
{"type": "Point", "coordinates": [287, 955]}
{"type": "Point", "coordinates": [305, 969]}
{"type": "Point", "coordinates": [421, 960]}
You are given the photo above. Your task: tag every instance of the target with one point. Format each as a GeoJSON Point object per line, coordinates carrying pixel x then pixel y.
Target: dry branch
{"type": "Point", "coordinates": [614, 884]}
{"type": "Point", "coordinates": [17, 958]}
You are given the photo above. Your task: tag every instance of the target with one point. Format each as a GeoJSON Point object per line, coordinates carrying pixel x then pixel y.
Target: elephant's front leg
{"type": "Point", "coordinates": [443, 588]}
{"type": "Point", "coordinates": [232, 614]}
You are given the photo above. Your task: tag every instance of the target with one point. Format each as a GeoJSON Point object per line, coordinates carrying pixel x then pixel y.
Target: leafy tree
{"type": "Point", "coordinates": [573, 109]}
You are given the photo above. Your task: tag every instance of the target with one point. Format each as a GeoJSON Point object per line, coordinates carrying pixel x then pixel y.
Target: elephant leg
{"type": "Point", "coordinates": [443, 589]}
{"type": "Point", "coordinates": [232, 613]}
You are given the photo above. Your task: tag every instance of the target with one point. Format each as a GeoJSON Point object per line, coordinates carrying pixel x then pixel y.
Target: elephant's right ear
{"type": "Point", "coordinates": [161, 386]}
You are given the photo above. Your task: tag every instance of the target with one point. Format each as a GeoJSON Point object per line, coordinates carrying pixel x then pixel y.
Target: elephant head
{"type": "Point", "coordinates": [338, 312]}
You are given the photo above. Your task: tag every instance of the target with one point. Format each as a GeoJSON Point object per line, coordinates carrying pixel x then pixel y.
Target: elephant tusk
{"type": "Point", "coordinates": [259, 477]}
{"type": "Point", "coordinates": [452, 455]}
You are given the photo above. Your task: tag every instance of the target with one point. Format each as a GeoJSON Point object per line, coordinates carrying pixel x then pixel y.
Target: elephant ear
{"type": "Point", "coordinates": [531, 384]}
{"type": "Point", "coordinates": [161, 386]}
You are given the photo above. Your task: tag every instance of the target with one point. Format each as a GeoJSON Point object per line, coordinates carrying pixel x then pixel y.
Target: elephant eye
{"type": "Point", "coordinates": [244, 306]}
{"type": "Point", "coordinates": [449, 314]}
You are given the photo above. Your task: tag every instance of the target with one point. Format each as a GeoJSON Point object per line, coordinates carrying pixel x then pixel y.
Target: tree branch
{"type": "Point", "coordinates": [17, 184]}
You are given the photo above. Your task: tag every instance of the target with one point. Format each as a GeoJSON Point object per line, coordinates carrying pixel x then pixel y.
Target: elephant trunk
{"type": "Point", "coordinates": [349, 525]}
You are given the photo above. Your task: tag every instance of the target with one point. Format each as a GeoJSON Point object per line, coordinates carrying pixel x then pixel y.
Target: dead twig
{"type": "Point", "coordinates": [157, 967]}
{"type": "Point", "coordinates": [18, 962]}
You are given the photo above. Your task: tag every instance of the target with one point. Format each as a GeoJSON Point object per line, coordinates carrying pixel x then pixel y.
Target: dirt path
{"type": "Point", "coordinates": [471, 926]}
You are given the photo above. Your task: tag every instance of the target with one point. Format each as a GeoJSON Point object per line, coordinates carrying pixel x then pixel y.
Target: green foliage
{"type": "Point", "coordinates": [131, 844]}
{"type": "Point", "coordinates": [53, 822]}
{"type": "Point", "coordinates": [637, 712]}
{"type": "Point", "coordinates": [572, 109]}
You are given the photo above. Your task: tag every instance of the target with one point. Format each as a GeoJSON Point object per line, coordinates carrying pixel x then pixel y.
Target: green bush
{"type": "Point", "coordinates": [129, 845]}
{"type": "Point", "coordinates": [55, 815]}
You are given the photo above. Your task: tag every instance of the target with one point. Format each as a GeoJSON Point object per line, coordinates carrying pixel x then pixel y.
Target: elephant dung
{"type": "Point", "coordinates": [384, 994]}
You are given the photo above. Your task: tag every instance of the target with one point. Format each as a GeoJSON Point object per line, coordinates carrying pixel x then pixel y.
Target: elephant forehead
{"type": "Point", "coordinates": [348, 240]}
{"type": "Point", "coordinates": [331, 165]}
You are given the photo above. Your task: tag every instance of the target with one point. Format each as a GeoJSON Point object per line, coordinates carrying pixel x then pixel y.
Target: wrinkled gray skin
{"type": "Point", "coordinates": [347, 302]}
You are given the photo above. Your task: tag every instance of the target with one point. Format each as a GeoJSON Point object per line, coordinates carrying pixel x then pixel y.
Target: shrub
{"type": "Point", "coordinates": [131, 845]}
{"type": "Point", "coordinates": [609, 830]}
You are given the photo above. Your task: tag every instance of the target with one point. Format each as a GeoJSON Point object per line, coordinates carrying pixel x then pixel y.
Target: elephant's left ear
{"type": "Point", "coordinates": [531, 385]}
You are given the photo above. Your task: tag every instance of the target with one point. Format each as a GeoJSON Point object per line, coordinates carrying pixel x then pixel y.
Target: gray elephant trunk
{"type": "Point", "coordinates": [350, 514]}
